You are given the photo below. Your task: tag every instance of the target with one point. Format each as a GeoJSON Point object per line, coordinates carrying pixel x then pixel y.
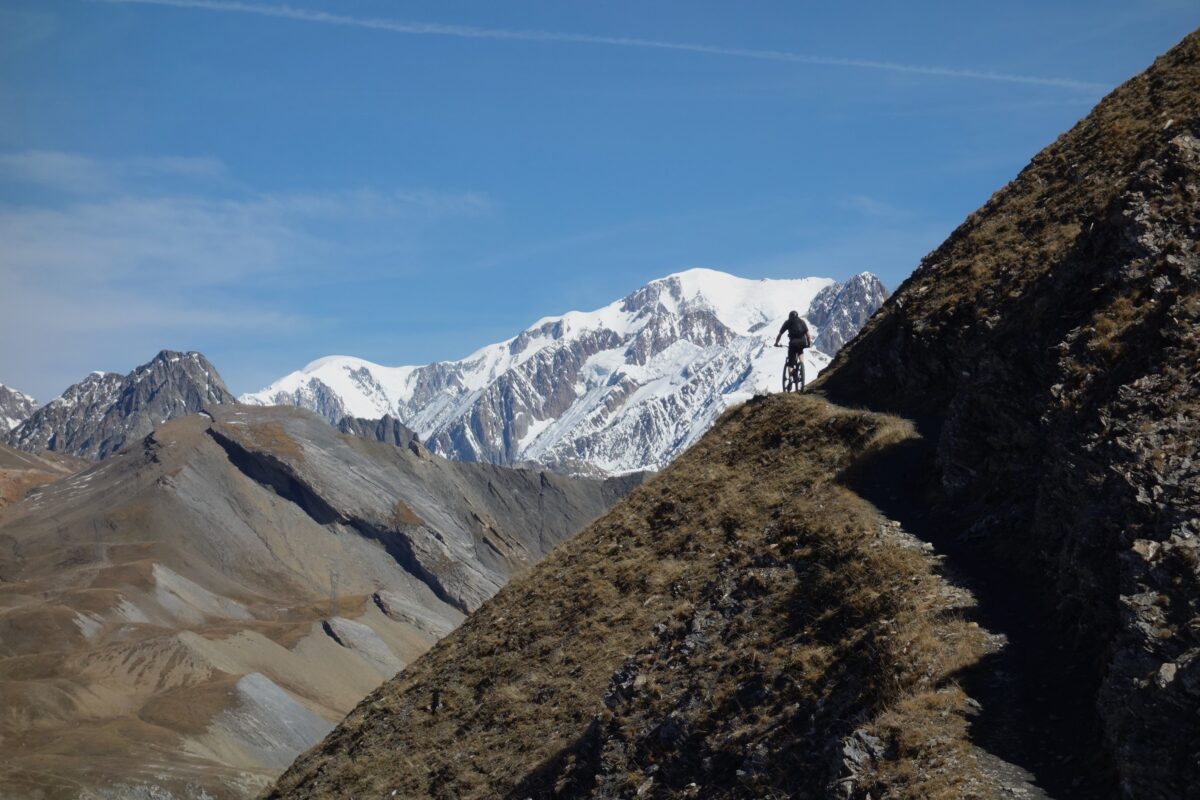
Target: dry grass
{"type": "Point", "coordinates": [745, 564]}
{"type": "Point", "coordinates": [403, 515]}
{"type": "Point", "coordinates": [270, 436]}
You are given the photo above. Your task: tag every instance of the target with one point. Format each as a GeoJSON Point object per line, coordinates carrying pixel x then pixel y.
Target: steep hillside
{"type": "Point", "coordinates": [20, 471]}
{"type": "Point", "coordinates": [190, 614]}
{"type": "Point", "coordinates": [744, 625]}
{"type": "Point", "coordinates": [1051, 346]}
{"type": "Point", "coordinates": [617, 390]}
{"type": "Point", "coordinates": [102, 413]}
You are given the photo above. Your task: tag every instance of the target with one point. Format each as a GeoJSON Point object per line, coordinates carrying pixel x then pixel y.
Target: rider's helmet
{"type": "Point", "coordinates": [794, 315]}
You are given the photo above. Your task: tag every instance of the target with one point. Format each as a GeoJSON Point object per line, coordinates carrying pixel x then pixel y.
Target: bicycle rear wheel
{"type": "Point", "coordinates": [791, 379]}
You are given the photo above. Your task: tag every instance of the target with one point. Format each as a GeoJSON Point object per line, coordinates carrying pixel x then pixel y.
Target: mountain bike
{"type": "Point", "coordinates": [793, 372]}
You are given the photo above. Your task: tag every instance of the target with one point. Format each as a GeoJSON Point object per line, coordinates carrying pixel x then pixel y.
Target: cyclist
{"type": "Point", "coordinates": [798, 337]}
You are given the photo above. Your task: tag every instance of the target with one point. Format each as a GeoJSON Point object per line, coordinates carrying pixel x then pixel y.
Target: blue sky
{"type": "Point", "coordinates": [407, 181]}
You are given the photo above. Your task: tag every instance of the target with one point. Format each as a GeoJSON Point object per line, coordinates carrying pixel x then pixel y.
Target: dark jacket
{"type": "Point", "coordinates": [796, 330]}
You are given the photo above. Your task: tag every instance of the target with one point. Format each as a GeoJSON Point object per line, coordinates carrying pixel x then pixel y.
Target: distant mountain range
{"type": "Point", "coordinates": [618, 390]}
{"type": "Point", "coordinates": [621, 389]}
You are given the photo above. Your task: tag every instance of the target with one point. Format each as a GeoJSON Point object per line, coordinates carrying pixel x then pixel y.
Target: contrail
{"type": "Point", "coordinates": [471, 32]}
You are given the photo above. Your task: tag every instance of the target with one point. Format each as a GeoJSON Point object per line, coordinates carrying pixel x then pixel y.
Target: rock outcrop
{"type": "Point", "coordinates": [387, 429]}
{"type": "Point", "coordinates": [840, 311]}
{"type": "Point", "coordinates": [1052, 343]}
{"type": "Point", "coordinates": [102, 413]}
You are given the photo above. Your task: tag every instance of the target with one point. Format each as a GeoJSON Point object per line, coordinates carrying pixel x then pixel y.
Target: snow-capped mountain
{"type": "Point", "coordinates": [15, 408]}
{"type": "Point", "coordinates": [97, 416]}
{"type": "Point", "coordinates": [840, 310]}
{"type": "Point", "coordinates": [619, 389]}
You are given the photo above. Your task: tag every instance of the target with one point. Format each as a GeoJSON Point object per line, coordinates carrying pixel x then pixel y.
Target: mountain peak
{"type": "Point", "coordinates": [15, 408]}
{"type": "Point", "coordinates": [99, 415]}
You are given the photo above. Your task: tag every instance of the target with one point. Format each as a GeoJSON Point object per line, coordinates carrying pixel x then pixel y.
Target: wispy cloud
{"type": "Point", "coordinates": [106, 264]}
{"type": "Point", "coordinates": [77, 174]}
{"type": "Point", "coordinates": [869, 206]}
{"type": "Point", "coordinates": [524, 35]}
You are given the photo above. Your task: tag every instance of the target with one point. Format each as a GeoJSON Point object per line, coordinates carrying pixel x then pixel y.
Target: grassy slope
{"type": "Point", "coordinates": [998, 266]}
{"type": "Point", "coordinates": [744, 594]}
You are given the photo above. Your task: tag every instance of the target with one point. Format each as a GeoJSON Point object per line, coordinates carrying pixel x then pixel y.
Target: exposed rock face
{"type": "Point", "coordinates": [840, 311]}
{"type": "Point", "coordinates": [15, 408]}
{"type": "Point", "coordinates": [99, 415]}
{"type": "Point", "coordinates": [1055, 339]}
{"type": "Point", "coordinates": [618, 390]}
{"type": "Point", "coordinates": [195, 611]}
{"type": "Point", "coordinates": [387, 429]}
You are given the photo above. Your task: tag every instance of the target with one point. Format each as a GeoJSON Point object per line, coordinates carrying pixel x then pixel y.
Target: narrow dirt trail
{"type": "Point", "coordinates": [1035, 728]}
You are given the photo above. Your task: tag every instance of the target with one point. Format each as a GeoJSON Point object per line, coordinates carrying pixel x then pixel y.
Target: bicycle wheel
{"type": "Point", "coordinates": [787, 377]}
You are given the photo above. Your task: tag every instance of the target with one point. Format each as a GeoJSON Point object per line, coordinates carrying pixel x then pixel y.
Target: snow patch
{"type": "Point", "coordinates": [268, 723]}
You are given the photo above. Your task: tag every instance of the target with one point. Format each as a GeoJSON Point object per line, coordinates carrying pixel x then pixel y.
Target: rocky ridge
{"type": "Point", "coordinates": [102, 413]}
{"type": "Point", "coordinates": [619, 390]}
{"type": "Point", "coordinates": [387, 429]}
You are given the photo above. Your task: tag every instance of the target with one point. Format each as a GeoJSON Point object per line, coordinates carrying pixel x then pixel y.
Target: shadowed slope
{"type": "Point", "coordinates": [1051, 346]}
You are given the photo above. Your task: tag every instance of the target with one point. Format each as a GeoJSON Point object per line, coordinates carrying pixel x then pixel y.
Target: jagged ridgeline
{"type": "Point", "coordinates": [746, 625]}
{"type": "Point", "coordinates": [621, 389]}
{"type": "Point", "coordinates": [1053, 343]}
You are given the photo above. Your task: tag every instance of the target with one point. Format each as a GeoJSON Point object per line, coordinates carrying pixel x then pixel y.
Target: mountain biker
{"type": "Point", "coordinates": [798, 337]}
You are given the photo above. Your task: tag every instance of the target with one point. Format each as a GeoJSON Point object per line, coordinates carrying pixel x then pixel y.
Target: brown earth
{"type": "Point", "coordinates": [185, 617]}
{"type": "Point", "coordinates": [20, 471]}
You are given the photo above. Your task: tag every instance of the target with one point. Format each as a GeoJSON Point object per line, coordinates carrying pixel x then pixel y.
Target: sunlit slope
{"type": "Point", "coordinates": [198, 609]}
